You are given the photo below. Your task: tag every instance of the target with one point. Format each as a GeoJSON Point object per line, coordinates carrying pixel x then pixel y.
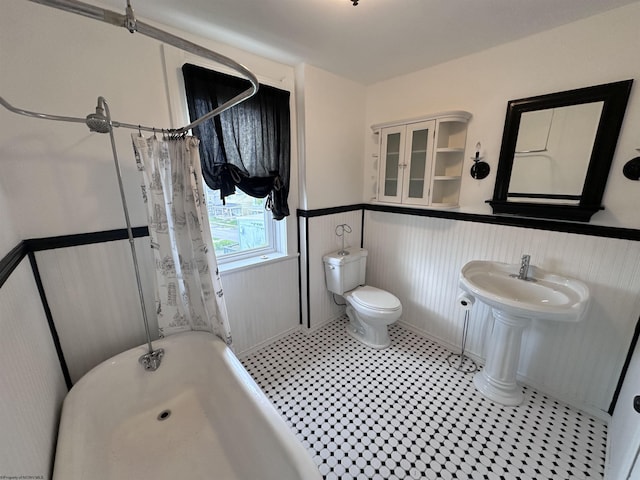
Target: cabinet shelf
{"type": "Point", "coordinates": [446, 177]}
{"type": "Point", "coordinates": [449, 150]}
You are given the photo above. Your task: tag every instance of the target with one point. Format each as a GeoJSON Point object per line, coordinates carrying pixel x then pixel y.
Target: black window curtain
{"type": "Point", "coordinates": [247, 146]}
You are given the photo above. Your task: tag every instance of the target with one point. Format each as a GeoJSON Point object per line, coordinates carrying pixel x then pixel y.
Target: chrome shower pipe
{"type": "Point", "coordinates": [44, 116]}
{"type": "Point", "coordinates": [125, 208]}
{"type": "Point", "coordinates": [84, 9]}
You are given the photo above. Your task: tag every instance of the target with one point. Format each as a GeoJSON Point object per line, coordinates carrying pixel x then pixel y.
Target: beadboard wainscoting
{"type": "Point", "coordinates": [32, 383]}
{"type": "Point", "coordinates": [318, 237]}
{"type": "Point", "coordinates": [93, 296]}
{"type": "Point", "coordinates": [92, 293]}
{"type": "Point", "coordinates": [262, 302]}
{"type": "Point", "coordinates": [418, 259]}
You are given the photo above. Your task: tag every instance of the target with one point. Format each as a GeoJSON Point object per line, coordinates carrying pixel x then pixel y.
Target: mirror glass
{"type": "Point", "coordinates": [552, 153]}
{"type": "Point", "coordinates": [557, 151]}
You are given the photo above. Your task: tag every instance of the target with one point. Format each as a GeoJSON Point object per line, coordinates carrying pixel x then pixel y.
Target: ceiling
{"type": "Point", "coordinates": [373, 41]}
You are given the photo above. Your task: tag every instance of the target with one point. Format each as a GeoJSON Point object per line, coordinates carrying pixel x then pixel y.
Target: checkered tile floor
{"type": "Point", "coordinates": [404, 413]}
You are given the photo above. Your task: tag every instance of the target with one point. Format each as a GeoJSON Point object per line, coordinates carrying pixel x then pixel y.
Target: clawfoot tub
{"type": "Point", "coordinates": [199, 416]}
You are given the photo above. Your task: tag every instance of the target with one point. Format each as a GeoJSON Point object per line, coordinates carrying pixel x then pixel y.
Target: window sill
{"type": "Point", "coordinates": [253, 262]}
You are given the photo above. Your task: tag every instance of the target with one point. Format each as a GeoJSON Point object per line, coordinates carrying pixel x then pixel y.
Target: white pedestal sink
{"type": "Point", "coordinates": [514, 303]}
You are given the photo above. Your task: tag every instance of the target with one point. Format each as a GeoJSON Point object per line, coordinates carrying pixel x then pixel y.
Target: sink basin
{"type": "Point", "coordinates": [515, 302]}
{"type": "Point", "coordinates": [548, 296]}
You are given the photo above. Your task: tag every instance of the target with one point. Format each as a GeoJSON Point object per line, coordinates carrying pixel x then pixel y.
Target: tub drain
{"type": "Point", "coordinates": [163, 415]}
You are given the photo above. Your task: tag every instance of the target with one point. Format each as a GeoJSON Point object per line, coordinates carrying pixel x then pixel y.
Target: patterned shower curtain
{"type": "Point", "coordinates": [188, 288]}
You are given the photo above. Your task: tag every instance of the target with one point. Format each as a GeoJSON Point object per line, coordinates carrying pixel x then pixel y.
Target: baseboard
{"type": "Point", "coordinates": [315, 328]}
{"type": "Point", "coordinates": [607, 457]}
{"type": "Point", "coordinates": [587, 409]}
{"type": "Point", "coordinates": [298, 328]}
{"type": "Point", "coordinates": [443, 343]}
{"type": "Point", "coordinates": [251, 350]}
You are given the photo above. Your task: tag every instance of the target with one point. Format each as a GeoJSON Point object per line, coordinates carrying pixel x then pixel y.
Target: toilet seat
{"type": "Point", "coordinates": [373, 298]}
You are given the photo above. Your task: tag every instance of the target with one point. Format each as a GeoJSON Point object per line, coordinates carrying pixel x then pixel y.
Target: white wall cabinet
{"type": "Point", "coordinates": [421, 160]}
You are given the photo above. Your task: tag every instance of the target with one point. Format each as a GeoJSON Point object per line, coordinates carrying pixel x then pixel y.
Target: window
{"type": "Point", "coordinates": [240, 228]}
{"type": "Point", "coordinates": [245, 156]}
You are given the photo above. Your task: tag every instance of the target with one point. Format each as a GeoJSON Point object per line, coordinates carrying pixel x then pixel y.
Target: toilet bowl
{"type": "Point", "coordinates": [370, 309]}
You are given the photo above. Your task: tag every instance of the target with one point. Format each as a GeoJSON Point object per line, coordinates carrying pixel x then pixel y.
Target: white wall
{"type": "Point", "coordinates": [31, 383]}
{"type": "Point", "coordinates": [58, 176]}
{"type": "Point", "coordinates": [333, 148]}
{"type": "Point", "coordinates": [330, 123]}
{"type": "Point", "coordinates": [597, 50]}
{"type": "Point", "coordinates": [9, 236]}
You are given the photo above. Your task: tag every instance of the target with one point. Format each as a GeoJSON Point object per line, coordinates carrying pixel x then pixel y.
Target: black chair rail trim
{"type": "Point", "coordinates": [11, 260]}
{"type": "Point", "coordinates": [505, 220]}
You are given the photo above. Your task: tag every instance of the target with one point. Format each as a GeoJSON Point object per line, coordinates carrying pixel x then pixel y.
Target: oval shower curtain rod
{"type": "Point", "coordinates": [129, 22]}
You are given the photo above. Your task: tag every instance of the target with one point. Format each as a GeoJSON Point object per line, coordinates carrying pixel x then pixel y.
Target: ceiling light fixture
{"type": "Point", "coordinates": [355, 2]}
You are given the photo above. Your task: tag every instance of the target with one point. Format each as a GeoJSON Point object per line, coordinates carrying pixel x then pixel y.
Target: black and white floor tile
{"type": "Point", "coordinates": [405, 413]}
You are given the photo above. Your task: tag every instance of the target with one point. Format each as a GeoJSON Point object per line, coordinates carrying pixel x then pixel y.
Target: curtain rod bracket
{"type": "Point", "coordinates": [130, 22]}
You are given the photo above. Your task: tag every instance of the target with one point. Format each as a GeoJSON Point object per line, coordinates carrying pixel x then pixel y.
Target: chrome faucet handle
{"type": "Point", "coordinates": [151, 361]}
{"type": "Point", "coordinates": [523, 273]}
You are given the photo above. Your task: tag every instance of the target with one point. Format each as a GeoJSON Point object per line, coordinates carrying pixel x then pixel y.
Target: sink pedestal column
{"type": "Point", "coordinates": [497, 380]}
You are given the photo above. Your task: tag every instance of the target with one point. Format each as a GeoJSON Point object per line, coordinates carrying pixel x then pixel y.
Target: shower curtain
{"type": "Point", "coordinates": [188, 288]}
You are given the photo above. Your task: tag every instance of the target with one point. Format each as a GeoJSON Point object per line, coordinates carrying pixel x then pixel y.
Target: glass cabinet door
{"type": "Point", "coordinates": [419, 147]}
{"type": "Point", "coordinates": [391, 165]}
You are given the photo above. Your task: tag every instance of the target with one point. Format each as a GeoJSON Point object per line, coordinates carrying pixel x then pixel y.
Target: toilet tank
{"type": "Point", "coordinates": [345, 272]}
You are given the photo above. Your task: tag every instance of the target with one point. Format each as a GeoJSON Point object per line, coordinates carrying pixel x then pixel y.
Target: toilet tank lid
{"type": "Point", "coordinates": [334, 258]}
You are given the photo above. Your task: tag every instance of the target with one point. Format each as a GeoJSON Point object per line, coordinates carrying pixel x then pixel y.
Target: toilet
{"type": "Point", "coordinates": [370, 310]}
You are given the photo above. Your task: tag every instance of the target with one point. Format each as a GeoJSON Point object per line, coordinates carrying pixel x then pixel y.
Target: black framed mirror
{"type": "Point", "coordinates": [557, 151]}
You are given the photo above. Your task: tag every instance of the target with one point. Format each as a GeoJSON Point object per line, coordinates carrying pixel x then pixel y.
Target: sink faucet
{"type": "Point", "coordinates": [524, 267]}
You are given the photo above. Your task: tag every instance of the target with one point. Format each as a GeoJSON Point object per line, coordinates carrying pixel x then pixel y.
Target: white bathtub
{"type": "Point", "coordinates": [221, 425]}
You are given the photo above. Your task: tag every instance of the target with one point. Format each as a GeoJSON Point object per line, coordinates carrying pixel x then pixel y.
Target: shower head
{"type": "Point", "coordinates": [98, 122]}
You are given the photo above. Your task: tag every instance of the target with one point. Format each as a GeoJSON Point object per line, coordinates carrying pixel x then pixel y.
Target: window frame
{"type": "Point", "coordinates": [284, 230]}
